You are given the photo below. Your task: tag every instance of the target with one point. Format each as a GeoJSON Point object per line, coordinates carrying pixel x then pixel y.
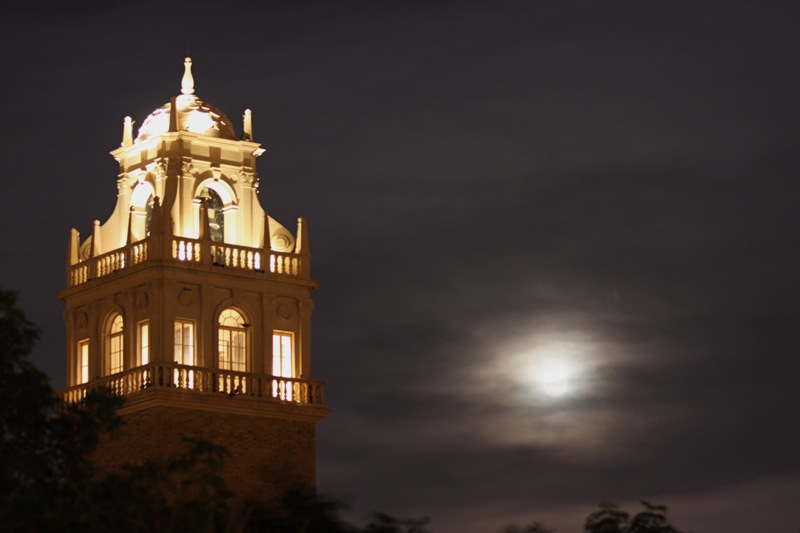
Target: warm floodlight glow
{"type": "Point", "coordinates": [199, 122]}
{"type": "Point", "coordinates": [156, 124]}
{"type": "Point", "coordinates": [190, 114]}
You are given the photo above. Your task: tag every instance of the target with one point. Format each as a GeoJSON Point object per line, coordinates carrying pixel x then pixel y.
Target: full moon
{"type": "Point", "coordinates": [556, 378]}
{"type": "Point", "coordinates": [555, 369]}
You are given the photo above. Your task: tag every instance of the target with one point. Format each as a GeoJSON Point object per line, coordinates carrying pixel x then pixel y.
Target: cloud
{"type": "Point", "coordinates": [483, 185]}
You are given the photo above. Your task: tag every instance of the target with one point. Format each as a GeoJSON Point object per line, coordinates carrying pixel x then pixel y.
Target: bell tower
{"type": "Point", "coordinates": [195, 305]}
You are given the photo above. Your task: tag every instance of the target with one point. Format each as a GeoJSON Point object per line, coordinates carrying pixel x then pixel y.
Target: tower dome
{"type": "Point", "coordinates": [192, 114]}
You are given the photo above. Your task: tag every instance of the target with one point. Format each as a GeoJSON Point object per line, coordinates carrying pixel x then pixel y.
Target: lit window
{"type": "Point", "coordinates": [83, 361]}
{"type": "Point", "coordinates": [115, 345]}
{"type": "Point", "coordinates": [282, 355]}
{"type": "Point", "coordinates": [232, 341]}
{"type": "Point", "coordinates": [184, 353]}
{"type": "Point", "coordinates": [184, 342]}
{"type": "Point", "coordinates": [143, 340]}
{"type": "Point", "coordinates": [282, 366]}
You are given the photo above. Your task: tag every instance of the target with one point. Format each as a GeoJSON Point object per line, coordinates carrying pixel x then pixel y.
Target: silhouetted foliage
{"type": "Point", "coordinates": [301, 511]}
{"type": "Point", "coordinates": [384, 523]}
{"type": "Point", "coordinates": [610, 519]}
{"type": "Point", "coordinates": [45, 445]}
{"type": "Point", "coordinates": [26, 401]}
{"type": "Point", "coordinates": [652, 520]}
{"type": "Point", "coordinates": [534, 527]}
{"type": "Point", "coordinates": [185, 492]}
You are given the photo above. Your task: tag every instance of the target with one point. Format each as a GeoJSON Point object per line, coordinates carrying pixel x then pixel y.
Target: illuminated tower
{"type": "Point", "coordinates": [195, 304]}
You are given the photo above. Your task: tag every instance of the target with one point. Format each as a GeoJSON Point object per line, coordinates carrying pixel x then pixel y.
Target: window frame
{"type": "Point", "coordinates": [280, 360]}
{"type": "Point", "coordinates": [232, 355]}
{"type": "Point", "coordinates": [82, 369]}
{"type": "Point", "coordinates": [143, 343]}
{"type": "Point", "coordinates": [115, 344]}
{"type": "Point", "coordinates": [185, 324]}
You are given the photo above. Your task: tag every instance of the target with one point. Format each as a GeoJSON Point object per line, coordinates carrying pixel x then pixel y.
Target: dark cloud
{"type": "Point", "coordinates": [486, 187]}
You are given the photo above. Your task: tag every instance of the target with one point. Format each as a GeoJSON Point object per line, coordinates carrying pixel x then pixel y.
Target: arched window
{"type": "Point", "coordinates": [115, 343]}
{"type": "Point", "coordinates": [232, 341]}
{"type": "Point", "coordinates": [142, 204]}
{"type": "Point", "coordinates": [216, 218]}
{"type": "Point", "coordinates": [148, 215]}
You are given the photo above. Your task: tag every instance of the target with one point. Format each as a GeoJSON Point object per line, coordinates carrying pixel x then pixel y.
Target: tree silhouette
{"type": "Point", "coordinates": [610, 519]}
{"type": "Point", "coordinates": [534, 527]}
{"type": "Point", "coordinates": [384, 523]}
{"type": "Point", "coordinates": [46, 469]}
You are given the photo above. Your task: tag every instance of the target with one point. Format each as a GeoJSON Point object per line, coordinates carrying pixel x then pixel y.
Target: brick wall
{"type": "Point", "coordinates": [268, 455]}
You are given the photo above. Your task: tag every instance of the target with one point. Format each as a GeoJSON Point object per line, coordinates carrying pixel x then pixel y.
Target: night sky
{"type": "Point", "coordinates": [557, 240]}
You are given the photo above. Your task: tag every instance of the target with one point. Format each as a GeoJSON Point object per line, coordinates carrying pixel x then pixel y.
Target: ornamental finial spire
{"type": "Point", "coordinates": [187, 83]}
{"type": "Point", "coordinates": [248, 125]}
{"type": "Point", "coordinates": [127, 132]}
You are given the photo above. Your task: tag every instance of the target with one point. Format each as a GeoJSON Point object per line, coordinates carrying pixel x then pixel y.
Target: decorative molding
{"type": "Point", "coordinates": [284, 311]}
{"type": "Point", "coordinates": [161, 168]}
{"type": "Point", "coordinates": [248, 178]}
{"type": "Point", "coordinates": [185, 297]}
{"type": "Point", "coordinates": [142, 300]}
{"type": "Point", "coordinates": [187, 167]}
{"type": "Point", "coordinates": [222, 403]}
{"type": "Point", "coordinates": [82, 320]}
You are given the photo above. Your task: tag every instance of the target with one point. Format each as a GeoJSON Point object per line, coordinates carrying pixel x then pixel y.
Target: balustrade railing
{"type": "Point", "coordinates": [110, 262]}
{"type": "Point", "coordinates": [190, 250]}
{"type": "Point", "coordinates": [79, 274]}
{"type": "Point", "coordinates": [139, 252]}
{"type": "Point", "coordinates": [288, 264]}
{"type": "Point", "coordinates": [103, 265]}
{"type": "Point", "coordinates": [204, 380]}
{"type": "Point", "coordinates": [186, 249]}
{"type": "Point", "coordinates": [236, 256]}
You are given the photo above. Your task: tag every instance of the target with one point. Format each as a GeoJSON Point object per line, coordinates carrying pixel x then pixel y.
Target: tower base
{"type": "Point", "coordinates": [271, 442]}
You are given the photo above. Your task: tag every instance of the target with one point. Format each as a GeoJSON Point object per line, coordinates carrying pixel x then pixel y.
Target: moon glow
{"type": "Point", "coordinates": [555, 378]}
{"type": "Point", "coordinates": [556, 369]}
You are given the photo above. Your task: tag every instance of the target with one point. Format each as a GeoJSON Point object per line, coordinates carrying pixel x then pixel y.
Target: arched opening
{"type": "Point", "coordinates": [216, 218]}
{"type": "Point", "coordinates": [221, 204]}
{"type": "Point", "coordinates": [115, 344]}
{"type": "Point", "coordinates": [142, 204]}
{"type": "Point", "coordinates": [148, 215]}
{"type": "Point", "coordinates": [232, 335]}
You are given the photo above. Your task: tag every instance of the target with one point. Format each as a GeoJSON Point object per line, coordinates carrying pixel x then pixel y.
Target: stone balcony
{"type": "Point", "coordinates": [203, 385]}
{"type": "Point", "coordinates": [199, 251]}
